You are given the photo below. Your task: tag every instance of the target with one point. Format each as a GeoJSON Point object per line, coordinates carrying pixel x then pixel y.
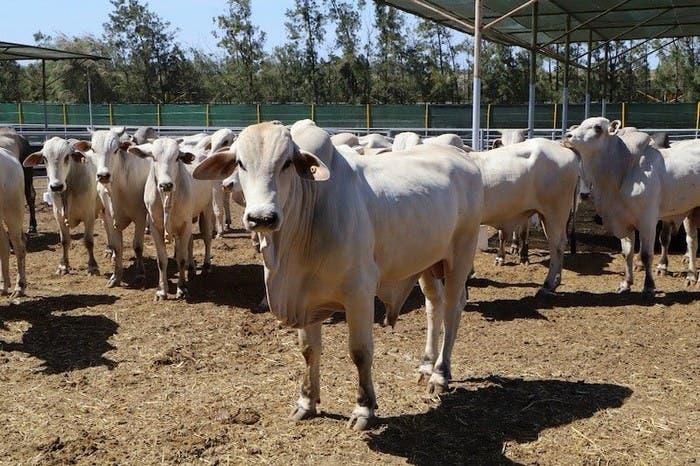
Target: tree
{"type": "Point", "coordinates": [305, 29]}
{"type": "Point", "coordinates": [144, 50]}
{"type": "Point", "coordinates": [389, 71]}
{"type": "Point", "coordinates": [243, 43]}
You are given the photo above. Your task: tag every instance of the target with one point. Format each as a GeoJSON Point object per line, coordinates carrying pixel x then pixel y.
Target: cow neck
{"type": "Point", "coordinates": [606, 169]}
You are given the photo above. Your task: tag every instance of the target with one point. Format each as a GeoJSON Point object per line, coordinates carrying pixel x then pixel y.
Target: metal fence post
{"type": "Point", "coordinates": [157, 114]}
{"type": "Point", "coordinates": [19, 113]}
{"type": "Point", "coordinates": [206, 115]}
{"type": "Point", "coordinates": [368, 116]}
{"type": "Point", "coordinates": [257, 112]}
{"type": "Point", "coordinates": [427, 116]}
{"type": "Point", "coordinates": [624, 114]}
{"type": "Point", "coordinates": [111, 115]}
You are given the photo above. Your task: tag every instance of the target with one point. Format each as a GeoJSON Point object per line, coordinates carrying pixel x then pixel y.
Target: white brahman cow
{"type": "Point", "coordinates": [174, 201]}
{"type": "Point", "coordinates": [121, 179]}
{"type": "Point", "coordinates": [11, 216]}
{"type": "Point", "coordinates": [374, 228]}
{"type": "Point", "coordinates": [534, 176]}
{"type": "Point", "coordinates": [635, 185]}
{"type": "Point", "coordinates": [73, 189]}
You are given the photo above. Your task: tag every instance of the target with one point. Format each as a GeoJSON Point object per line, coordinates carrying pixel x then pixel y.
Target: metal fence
{"type": "Point", "coordinates": [424, 116]}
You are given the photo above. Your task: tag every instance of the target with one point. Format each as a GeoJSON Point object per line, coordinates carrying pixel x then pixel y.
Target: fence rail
{"type": "Point", "coordinates": [341, 115]}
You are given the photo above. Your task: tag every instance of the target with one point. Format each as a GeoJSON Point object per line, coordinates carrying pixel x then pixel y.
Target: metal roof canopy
{"type": "Point", "coordinates": [10, 51]}
{"type": "Point", "coordinates": [537, 24]}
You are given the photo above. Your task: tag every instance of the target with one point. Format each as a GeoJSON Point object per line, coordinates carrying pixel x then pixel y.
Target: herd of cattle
{"type": "Point", "coordinates": [341, 219]}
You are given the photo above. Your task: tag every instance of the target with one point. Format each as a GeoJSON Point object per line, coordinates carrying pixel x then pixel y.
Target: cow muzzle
{"type": "Point", "coordinates": [261, 222]}
{"type": "Point", "coordinates": [165, 187]}
{"type": "Point", "coordinates": [57, 187]}
{"type": "Point", "coordinates": [104, 178]}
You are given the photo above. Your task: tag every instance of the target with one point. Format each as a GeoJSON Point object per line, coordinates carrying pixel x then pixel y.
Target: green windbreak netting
{"type": "Point", "coordinates": [398, 116]}
{"type": "Point", "coordinates": [661, 115]}
{"type": "Point", "coordinates": [341, 116]}
{"type": "Point", "coordinates": [135, 114]}
{"type": "Point", "coordinates": [451, 116]}
{"type": "Point", "coordinates": [183, 115]}
{"type": "Point", "coordinates": [79, 114]}
{"type": "Point", "coordinates": [9, 114]}
{"type": "Point", "coordinates": [232, 116]}
{"type": "Point", "coordinates": [286, 113]}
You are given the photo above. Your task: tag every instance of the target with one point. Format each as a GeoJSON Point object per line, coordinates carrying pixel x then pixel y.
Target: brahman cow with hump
{"type": "Point", "coordinates": [121, 180]}
{"type": "Point", "coordinates": [373, 228]}
{"type": "Point", "coordinates": [72, 185]}
{"type": "Point", "coordinates": [11, 215]}
{"type": "Point", "coordinates": [534, 176]}
{"type": "Point", "coordinates": [636, 184]}
{"type": "Point", "coordinates": [18, 144]}
{"type": "Point", "coordinates": [174, 201]}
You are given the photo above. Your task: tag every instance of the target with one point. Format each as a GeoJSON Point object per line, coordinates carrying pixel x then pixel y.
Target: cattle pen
{"type": "Point", "coordinates": [582, 375]}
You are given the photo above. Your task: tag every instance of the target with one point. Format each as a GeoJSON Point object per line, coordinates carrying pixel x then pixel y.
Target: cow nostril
{"type": "Point", "coordinates": [266, 220]}
{"type": "Point", "coordinates": [57, 187]}
{"type": "Point", "coordinates": [165, 186]}
{"type": "Point", "coordinates": [103, 176]}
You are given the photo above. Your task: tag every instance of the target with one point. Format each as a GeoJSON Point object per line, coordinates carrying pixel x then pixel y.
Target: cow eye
{"type": "Point", "coordinates": [240, 165]}
{"type": "Point", "coordinates": [287, 164]}
{"type": "Point", "coordinates": [598, 129]}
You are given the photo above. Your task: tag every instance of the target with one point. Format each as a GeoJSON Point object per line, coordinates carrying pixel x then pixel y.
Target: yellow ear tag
{"type": "Point", "coordinates": [313, 169]}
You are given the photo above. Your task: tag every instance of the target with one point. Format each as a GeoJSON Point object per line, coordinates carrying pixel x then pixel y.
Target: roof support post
{"type": "Point", "coordinates": [565, 93]}
{"type": "Point", "coordinates": [533, 75]}
{"type": "Point", "coordinates": [605, 78]}
{"type": "Point", "coordinates": [43, 94]}
{"type": "Point", "coordinates": [89, 92]}
{"type": "Point", "coordinates": [587, 112]}
{"type": "Point", "coordinates": [476, 90]}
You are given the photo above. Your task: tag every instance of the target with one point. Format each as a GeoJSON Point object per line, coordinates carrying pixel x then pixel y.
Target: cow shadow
{"type": "Point", "coordinates": [589, 263]}
{"type": "Point", "coordinates": [472, 425]}
{"type": "Point", "coordinates": [64, 342]}
{"type": "Point", "coordinates": [238, 285]}
{"type": "Point", "coordinates": [43, 241]}
{"type": "Point", "coordinates": [528, 307]}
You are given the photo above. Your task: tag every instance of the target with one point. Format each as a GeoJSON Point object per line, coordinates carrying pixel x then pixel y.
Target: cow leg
{"type": "Point", "coordinates": [89, 241]}
{"type": "Point", "coordinates": [515, 241]}
{"type": "Point", "coordinates": [30, 197]}
{"type": "Point", "coordinates": [360, 317]}
{"type": "Point", "coordinates": [627, 246]}
{"type": "Point", "coordinates": [501, 254]}
{"type": "Point", "coordinates": [665, 241]}
{"type": "Point", "coordinates": [107, 221]}
{"type": "Point", "coordinates": [691, 240]}
{"type": "Point", "coordinates": [647, 234]}
{"type": "Point", "coordinates": [433, 290]}
{"type": "Point", "coordinates": [555, 230]}
{"type": "Point", "coordinates": [454, 302]}
{"type": "Point", "coordinates": [523, 235]}
{"type": "Point", "coordinates": [117, 246]}
{"type": "Point", "coordinates": [182, 252]}
{"type": "Point", "coordinates": [5, 282]}
{"type": "Point", "coordinates": [310, 396]}
{"type": "Point", "coordinates": [139, 233]}
{"type": "Point", "coordinates": [14, 230]}
{"type": "Point", "coordinates": [64, 266]}
{"type": "Point", "coordinates": [227, 210]}
{"type": "Point", "coordinates": [158, 236]}
{"type": "Point", "coordinates": [218, 207]}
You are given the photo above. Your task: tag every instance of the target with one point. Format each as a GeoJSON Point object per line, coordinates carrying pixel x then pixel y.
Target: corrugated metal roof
{"type": "Point", "coordinates": [607, 20]}
{"type": "Point", "coordinates": [11, 51]}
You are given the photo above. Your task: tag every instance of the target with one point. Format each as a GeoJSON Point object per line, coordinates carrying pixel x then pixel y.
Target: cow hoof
{"type": "Point", "coordinates": [544, 292]}
{"type": "Point", "coordinates": [524, 261]}
{"type": "Point", "coordinates": [32, 230]}
{"type": "Point", "coordinates": [206, 268]}
{"type": "Point", "coordinates": [499, 261]}
{"type": "Point", "coordinates": [686, 259]}
{"type": "Point", "coordinates": [93, 271]}
{"type": "Point", "coordinates": [113, 282]}
{"type": "Point", "coordinates": [181, 293]}
{"type": "Point", "coordinates": [359, 423]}
{"type": "Point", "coordinates": [62, 270]}
{"type": "Point", "coordinates": [436, 389]}
{"type": "Point", "coordinates": [16, 294]}
{"type": "Point", "coordinates": [648, 293]}
{"type": "Point", "coordinates": [623, 288]}
{"type": "Point", "coordinates": [300, 413]}
{"type": "Point", "coordinates": [160, 297]}
{"type": "Point", "coordinates": [661, 271]}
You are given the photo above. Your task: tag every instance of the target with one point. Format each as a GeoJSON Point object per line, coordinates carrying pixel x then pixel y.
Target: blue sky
{"type": "Point", "coordinates": [22, 18]}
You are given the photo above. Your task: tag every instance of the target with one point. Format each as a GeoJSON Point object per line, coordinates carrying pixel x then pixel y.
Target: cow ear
{"type": "Point", "coordinates": [33, 159]}
{"type": "Point", "coordinates": [78, 157]}
{"type": "Point", "coordinates": [143, 150]}
{"type": "Point", "coordinates": [216, 167]}
{"type": "Point", "coordinates": [497, 143]}
{"type": "Point", "coordinates": [309, 166]}
{"type": "Point", "coordinates": [118, 130]}
{"type": "Point", "coordinates": [186, 157]}
{"type": "Point", "coordinates": [207, 146]}
{"type": "Point", "coordinates": [81, 146]}
{"type": "Point", "coordinates": [614, 126]}
{"type": "Point", "coordinates": [124, 145]}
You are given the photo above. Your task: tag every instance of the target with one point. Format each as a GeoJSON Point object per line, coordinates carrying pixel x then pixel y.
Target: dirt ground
{"type": "Point", "coordinates": [92, 375]}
